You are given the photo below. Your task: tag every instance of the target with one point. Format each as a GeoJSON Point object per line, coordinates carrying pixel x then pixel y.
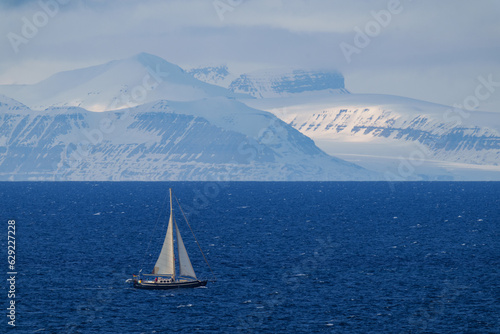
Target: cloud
{"type": "Point", "coordinates": [427, 42]}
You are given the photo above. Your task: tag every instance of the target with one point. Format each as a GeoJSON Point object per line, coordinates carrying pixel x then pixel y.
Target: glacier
{"type": "Point", "coordinates": [403, 138]}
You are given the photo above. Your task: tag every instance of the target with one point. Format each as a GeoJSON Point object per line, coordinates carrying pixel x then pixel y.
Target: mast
{"type": "Point", "coordinates": [170, 221]}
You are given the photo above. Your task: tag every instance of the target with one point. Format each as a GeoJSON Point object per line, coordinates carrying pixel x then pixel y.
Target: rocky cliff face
{"type": "Point", "coordinates": [465, 143]}
{"type": "Point", "coordinates": [215, 75]}
{"type": "Point", "coordinates": [279, 83]}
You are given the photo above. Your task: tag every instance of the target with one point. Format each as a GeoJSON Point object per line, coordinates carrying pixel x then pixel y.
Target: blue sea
{"type": "Point", "coordinates": [303, 257]}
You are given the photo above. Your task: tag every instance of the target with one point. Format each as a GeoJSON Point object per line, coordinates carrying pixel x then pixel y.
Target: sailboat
{"type": "Point", "coordinates": [165, 275]}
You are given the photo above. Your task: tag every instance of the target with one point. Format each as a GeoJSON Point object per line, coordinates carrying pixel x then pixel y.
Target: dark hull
{"type": "Point", "coordinates": [167, 286]}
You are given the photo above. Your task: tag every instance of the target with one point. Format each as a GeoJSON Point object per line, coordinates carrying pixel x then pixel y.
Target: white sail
{"type": "Point", "coordinates": [186, 269]}
{"type": "Point", "coordinates": [165, 265]}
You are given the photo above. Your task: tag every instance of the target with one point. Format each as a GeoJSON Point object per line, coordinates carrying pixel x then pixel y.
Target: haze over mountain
{"type": "Point", "coordinates": [418, 49]}
{"type": "Point", "coordinates": [117, 84]}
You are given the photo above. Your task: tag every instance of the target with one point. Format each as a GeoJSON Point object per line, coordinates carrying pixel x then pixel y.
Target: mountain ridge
{"type": "Point", "coordinates": [116, 84]}
{"type": "Point", "coordinates": [163, 140]}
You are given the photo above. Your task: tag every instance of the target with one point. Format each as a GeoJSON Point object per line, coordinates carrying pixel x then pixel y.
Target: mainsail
{"type": "Point", "coordinates": [165, 264]}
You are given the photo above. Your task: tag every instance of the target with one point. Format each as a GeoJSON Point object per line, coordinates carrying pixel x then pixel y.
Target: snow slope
{"type": "Point", "coordinates": [209, 139]}
{"type": "Point", "coordinates": [8, 104]}
{"type": "Point", "coordinates": [406, 138]}
{"type": "Point", "coordinates": [114, 85]}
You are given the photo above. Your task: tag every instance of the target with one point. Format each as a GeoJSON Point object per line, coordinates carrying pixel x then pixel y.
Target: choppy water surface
{"type": "Point", "coordinates": [304, 257]}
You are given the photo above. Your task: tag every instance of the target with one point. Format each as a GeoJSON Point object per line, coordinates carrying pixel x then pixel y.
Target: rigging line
{"type": "Point", "coordinates": [185, 218]}
{"type": "Point", "coordinates": [154, 230]}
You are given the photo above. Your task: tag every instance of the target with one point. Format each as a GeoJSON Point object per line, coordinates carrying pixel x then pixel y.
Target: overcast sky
{"type": "Point", "coordinates": [430, 50]}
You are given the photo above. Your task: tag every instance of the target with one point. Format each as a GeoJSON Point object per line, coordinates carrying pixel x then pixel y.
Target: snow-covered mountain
{"type": "Point", "coordinates": [215, 75]}
{"type": "Point", "coordinates": [401, 138]}
{"type": "Point", "coordinates": [272, 83]}
{"type": "Point", "coordinates": [117, 84]}
{"type": "Point", "coordinates": [406, 139]}
{"type": "Point", "coordinates": [8, 104]}
{"type": "Point", "coordinates": [288, 82]}
{"type": "Point", "coordinates": [208, 139]}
